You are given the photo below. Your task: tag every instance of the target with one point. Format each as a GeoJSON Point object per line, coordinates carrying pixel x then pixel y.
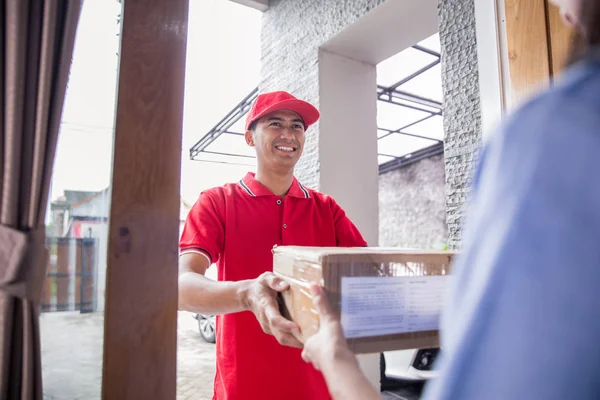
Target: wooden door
{"type": "Point", "coordinates": [538, 44]}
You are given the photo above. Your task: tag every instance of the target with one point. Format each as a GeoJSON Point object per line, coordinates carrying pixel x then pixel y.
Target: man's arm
{"type": "Point", "coordinates": [201, 244]}
{"type": "Point", "coordinates": [346, 381]}
{"type": "Point", "coordinates": [328, 351]}
{"type": "Point", "coordinates": [199, 294]}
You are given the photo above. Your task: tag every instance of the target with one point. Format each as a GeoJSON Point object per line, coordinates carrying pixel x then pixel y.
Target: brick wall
{"type": "Point", "coordinates": [462, 116]}
{"type": "Point", "coordinates": [292, 31]}
{"type": "Point", "coordinates": [412, 205]}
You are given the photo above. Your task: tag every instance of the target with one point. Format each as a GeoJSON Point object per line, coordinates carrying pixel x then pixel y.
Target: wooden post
{"type": "Point", "coordinates": [560, 37]}
{"type": "Point", "coordinates": [90, 286]}
{"type": "Point", "coordinates": [140, 336]}
{"type": "Point", "coordinates": [64, 273]}
{"type": "Point", "coordinates": [528, 53]}
{"type": "Point", "coordinates": [538, 43]}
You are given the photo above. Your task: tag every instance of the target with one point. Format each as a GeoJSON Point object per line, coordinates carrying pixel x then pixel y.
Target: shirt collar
{"type": "Point", "coordinates": [256, 189]}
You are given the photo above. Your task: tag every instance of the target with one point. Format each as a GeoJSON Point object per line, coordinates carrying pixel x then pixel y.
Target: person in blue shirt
{"type": "Point", "coordinates": [523, 320]}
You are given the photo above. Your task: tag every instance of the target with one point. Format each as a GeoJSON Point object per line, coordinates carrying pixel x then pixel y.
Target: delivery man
{"type": "Point", "coordinates": [237, 226]}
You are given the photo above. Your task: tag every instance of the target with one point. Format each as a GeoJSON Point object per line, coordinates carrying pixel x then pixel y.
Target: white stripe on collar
{"type": "Point", "coordinates": [306, 194]}
{"type": "Point", "coordinates": [246, 188]}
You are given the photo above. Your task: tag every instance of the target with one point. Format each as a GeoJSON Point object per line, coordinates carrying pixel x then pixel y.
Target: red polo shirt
{"type": "Point", "coordinates": [236, 226]}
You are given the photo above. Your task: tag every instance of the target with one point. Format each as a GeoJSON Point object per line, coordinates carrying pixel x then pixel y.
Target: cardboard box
{"type": "Point", "coordinates": [387, 298]}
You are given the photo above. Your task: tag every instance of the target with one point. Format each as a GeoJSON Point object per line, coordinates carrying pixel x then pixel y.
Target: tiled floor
{"type": "Point", "coordinates": [72, 359]}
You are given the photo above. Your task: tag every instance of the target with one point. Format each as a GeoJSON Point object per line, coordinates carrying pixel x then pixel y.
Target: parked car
{"type": "Point", "coordinates": [206, 326]}
{"type": "Point", "coordinates": [407, 366]}
{"type": "Point", "coordinates": [207, 322]}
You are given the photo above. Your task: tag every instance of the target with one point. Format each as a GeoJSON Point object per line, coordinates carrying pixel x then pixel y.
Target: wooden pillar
{"type": "Point", "coordinates": [538, 43]}
{"type": "Point", "coordinates": [64, 273]}
{"type": "Point", "coordinates": [140, 339]}
{"type": "Point", "coordinates": [528, 54]}
{"type": "Point", "coordinates": [560, 38]}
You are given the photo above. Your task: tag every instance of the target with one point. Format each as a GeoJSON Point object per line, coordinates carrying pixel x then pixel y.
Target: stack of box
{"type": "Point", "coordinates": [387, 298]}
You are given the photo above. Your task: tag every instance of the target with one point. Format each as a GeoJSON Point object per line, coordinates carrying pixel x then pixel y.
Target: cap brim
{"type": "Point", "coordinates": [305, 110]}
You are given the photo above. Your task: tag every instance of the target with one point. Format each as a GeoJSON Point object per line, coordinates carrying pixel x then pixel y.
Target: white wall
{"type": "Point", "coordinates": [492, 61]}
{"type": "Point", "coordinates": [348, 139]}
{"type": "Point", "coordinates": [388, 29]}
{"type": "Point", "coordinates": [348, 150]}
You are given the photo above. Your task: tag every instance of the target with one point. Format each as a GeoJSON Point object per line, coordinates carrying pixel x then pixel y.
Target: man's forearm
{"type": "Point", "coordinates": [346, 381]}
{"type": "Point", "coordinates": [198, 294]}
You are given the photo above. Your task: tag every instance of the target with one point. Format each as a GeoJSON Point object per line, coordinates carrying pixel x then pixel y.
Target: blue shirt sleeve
{"type": "Point", "coordinates": [523, 320]}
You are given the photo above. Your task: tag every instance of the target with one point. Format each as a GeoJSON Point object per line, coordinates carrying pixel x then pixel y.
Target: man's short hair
{"type": "Point", "coordinates": [252, 126]}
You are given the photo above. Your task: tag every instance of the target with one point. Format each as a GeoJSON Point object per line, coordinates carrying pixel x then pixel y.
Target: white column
{"type": "Point", "coordinates": [492, 57]}
{"type": "Point", "coordinates": [348, 150]}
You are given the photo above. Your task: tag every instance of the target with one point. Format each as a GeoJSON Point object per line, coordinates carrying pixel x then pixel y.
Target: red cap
{"type": "Point", "coordinates": [267, 103]}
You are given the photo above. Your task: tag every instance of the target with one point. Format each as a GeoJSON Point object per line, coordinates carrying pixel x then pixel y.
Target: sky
{"type": "Point", "coordinates": [222, 67]}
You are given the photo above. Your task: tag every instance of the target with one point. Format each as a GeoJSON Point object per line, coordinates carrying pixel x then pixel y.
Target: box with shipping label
{"type": "Point", "coordinates": [387, 298]}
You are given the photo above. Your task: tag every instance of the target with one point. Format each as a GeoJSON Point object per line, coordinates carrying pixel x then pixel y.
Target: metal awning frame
{"type": "Point", "coordinates": [390, 94]}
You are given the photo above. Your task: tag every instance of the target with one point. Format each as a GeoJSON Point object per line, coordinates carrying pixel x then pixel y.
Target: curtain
{"type": "Point", "coordinates": [36, 47]}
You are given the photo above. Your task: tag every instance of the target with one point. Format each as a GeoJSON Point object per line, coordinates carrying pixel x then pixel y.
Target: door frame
{"type": "Point", "coordinates": [140, 323]}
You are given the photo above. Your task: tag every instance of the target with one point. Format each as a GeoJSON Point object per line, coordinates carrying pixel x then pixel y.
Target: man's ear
{"type": "Point", "coordinates": [249, 135]}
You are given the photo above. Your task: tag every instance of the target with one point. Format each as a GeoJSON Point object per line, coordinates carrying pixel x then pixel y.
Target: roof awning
{"type": "Point", "coordinates": [409, 114]}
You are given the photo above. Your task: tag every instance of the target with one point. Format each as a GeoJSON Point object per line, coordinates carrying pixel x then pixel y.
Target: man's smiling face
{"type": "Point", "coordinates": [278, 138]}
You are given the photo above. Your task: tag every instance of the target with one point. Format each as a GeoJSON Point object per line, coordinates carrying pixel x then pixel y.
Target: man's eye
{"type": "Point", "coordinates": [275, 124]}
{"type": "Point", "coordinates": [297, 126]}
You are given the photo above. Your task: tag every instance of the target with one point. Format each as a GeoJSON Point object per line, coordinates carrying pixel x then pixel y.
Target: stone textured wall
{"type": "Point", "coordinates": [292, 32]}
{"type": "Point", "coordinates": [412, 205]}
{"type": "Point", "coordinates": [462, 115]}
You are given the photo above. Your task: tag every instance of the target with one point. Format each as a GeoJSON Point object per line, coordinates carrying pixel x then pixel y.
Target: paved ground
{"type": "Point", "coordinates": [72, 359]}
{"type": "Point", "coordinates": [195, 362]}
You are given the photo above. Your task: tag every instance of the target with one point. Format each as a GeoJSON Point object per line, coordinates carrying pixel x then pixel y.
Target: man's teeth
{"type": "Point", "coordinates": [283, 148]}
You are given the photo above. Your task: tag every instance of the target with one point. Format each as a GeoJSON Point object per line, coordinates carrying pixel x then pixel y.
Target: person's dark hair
{"type": "Point", "coordinates": [588, 35]}
{"type": "Point", "coordinates": [252, 126]}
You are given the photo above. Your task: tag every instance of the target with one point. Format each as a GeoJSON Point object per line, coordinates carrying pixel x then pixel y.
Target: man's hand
{"type": "Point", "coordinates": [328, 351]}
{"type": "Point", "coordinates": [328, 346]}
{"type": "Point", "coordinates": [260, 297]}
